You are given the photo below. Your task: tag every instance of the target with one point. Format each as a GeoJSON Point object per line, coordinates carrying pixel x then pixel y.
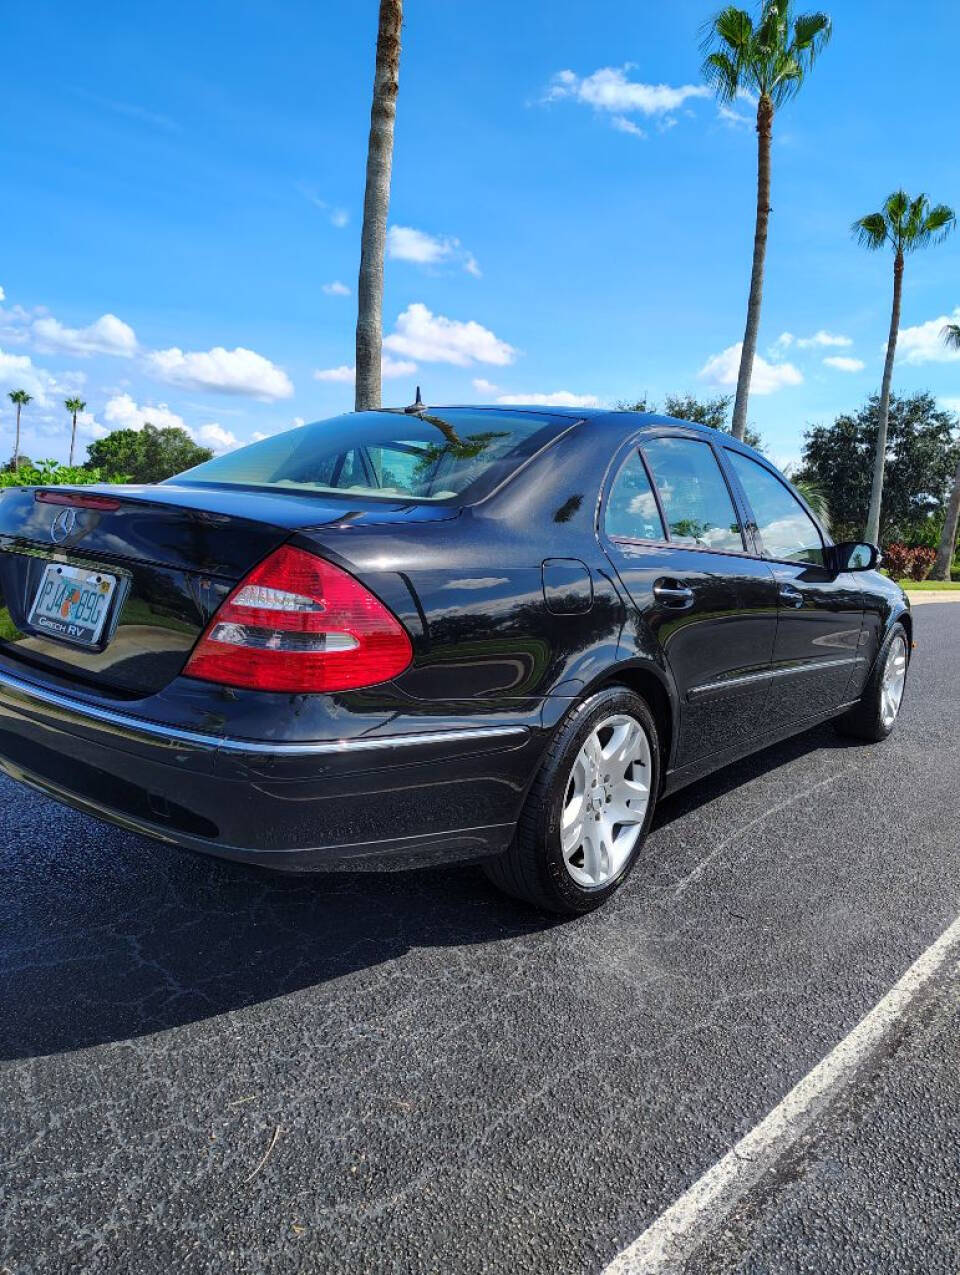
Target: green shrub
{"type": "Point", "coordinates": [50, 473]}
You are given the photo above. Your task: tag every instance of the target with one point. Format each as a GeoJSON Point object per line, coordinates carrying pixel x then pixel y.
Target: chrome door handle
{"type": "Point", "coordinates": [790, 596]}
{"type": "Point", "coordinates": [671, 594]}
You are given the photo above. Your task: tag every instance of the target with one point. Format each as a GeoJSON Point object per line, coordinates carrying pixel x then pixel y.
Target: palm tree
{"type": "Point", "coordinates": [906, 225]}
{"type": "Point", "coordinates": [74, 405]}
{"type": "Point", "coordinates": [20, 398]}
{"type": "Point", "coordinates": [948, 540]}
{"type": "Point", "coordinates": [376, 203]}
{"type": "Point", "coordinates": [769, 61]}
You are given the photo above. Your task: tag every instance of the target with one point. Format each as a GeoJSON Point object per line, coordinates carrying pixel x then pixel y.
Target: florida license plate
{"type": "Point", "coordinates": [72, 603]}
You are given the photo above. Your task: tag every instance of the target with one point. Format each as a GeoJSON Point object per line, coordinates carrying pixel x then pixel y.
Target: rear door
{"type": "Point", "coordinates": [672, 530]}
{"type": "Point", "coordinates": [816, 656]}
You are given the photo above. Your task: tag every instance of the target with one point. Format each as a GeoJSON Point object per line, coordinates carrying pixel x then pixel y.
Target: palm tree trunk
{"type": "Point", "coordinates": [872, 532]}
{"type": "Point", "coordinates": [16, 443]}
{"type": "Point", "coordinates": [764, 135]}
{"type": "Point", "coordinates": [73, 438]}
{"type": "Point", "coordinates": [948, 541]}
{"type": "Point", "coordinates": [376, 203]}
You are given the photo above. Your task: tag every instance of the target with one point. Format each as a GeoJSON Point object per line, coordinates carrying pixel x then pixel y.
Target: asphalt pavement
{"type": "Point", "coordinates": [208, 1068]}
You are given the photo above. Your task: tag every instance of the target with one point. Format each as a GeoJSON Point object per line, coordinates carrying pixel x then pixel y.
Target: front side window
{"type": "Point", "coordinates": [632, 512]}
{"type": "Point", "coordinates": [787, 531]}
{"type": "Point", "coordinates": [694, 494]}
{"type": "Point", "coordinates": [458, 454]}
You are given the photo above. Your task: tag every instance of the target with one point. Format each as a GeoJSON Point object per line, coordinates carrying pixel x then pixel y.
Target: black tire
{"type": "Point", "coordinates": [865, 720]}
{"type": "Point", "coordinates": [533, 869]}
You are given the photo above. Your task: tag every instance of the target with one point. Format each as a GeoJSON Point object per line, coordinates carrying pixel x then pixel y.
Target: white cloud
{"type": "Point", "coordinates": [844, 364]}
{"type": "Point", "coordinates": [435, 339]}
{"type": "Point", "coordinates": [336, 289]}
{"type": "Point", "coordinates": [925, 344]}
{"type": "Point", "coordinates": [624, 125]}
{"type": "Point", "coordinates": [123, 412]}
{"type": "Point", "coordinates": [483, 386]}
{"type": "Point", "coordinates": [19, 372]}
{"type": "Point", "coordinates": [347, 373]}
{"type": "Point", "coordinates": [108, 335]}
{"type": "Point", "coordinates": [404, 243]}
{"type": "Point", "coordinates": [783, 342]}
{"type": "Point", "coordinates": [217, 438]}
{"type": "Point", "coordinates": [734, 118]}
{"type": "Point", "coordinates": [89, 427]}
{"type": "Point", "coordinates": [3, 295]}
{"type": "Point", "coordinates": [238, 371]}
{"type": "Point", "coordinates": [823, 339]}
{"type": "Point", "coordinates": [610, 89]}
{"type": "Point", "coordinates": [338, 217]}
{"type": "Point", "coordinates": [722, 370]}
{"type": "Point", "coordinates": [559, 398]}
{"type": "Point", "coordinates": [951, 405]}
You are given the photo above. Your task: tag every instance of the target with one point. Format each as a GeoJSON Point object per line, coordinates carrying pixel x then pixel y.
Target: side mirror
{"type": "Point", "coordinates": [854, 555]}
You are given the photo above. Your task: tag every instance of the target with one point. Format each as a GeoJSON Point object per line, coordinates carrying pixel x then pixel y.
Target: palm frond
{"type": "Point", "coordinates": [811, 34]}
{"type": "Point", "coordinates": [721, 73]}
{"type": "Point", "coordinates": [896, 209]}
{"type": "Point", "coordinates": [941, 220]}
{"type": "Point", "coordinates": [870, 231]}
{"type": "Point", "coordinates": [732, 27]}
{"type": "Point", "coordinates": [772, 27]}
{"type": "Point", "coordinates": [951, 335]}
{"type": "Point", "coordinates": [787, 80]}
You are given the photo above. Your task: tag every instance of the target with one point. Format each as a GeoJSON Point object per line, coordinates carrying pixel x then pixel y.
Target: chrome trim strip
{"type": "Point", "coordinates": [767, 675]}
{"type": "Point", "coordinates": [318, 748]}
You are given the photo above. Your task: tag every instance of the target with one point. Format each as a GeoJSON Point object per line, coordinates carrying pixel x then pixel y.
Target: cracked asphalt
{"type": "Point", "coordinates": [206, 1068]}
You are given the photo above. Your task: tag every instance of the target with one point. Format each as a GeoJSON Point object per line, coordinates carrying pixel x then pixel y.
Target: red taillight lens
{"type": "Point", "coordinates": [298, 623]}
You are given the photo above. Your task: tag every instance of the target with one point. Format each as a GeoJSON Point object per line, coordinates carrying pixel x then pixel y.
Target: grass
{"type": "Point", "coordinates": [925, 586]}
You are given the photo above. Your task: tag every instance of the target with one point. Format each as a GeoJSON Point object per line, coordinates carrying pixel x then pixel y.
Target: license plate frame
{"type": "Point", "coordinates": [81, 619]}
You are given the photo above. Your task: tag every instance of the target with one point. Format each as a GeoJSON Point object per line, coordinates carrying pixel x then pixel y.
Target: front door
{"type": "Point", "coordinates": [817, 656]}
{"type": "Point", "coordinates": [673, 534]}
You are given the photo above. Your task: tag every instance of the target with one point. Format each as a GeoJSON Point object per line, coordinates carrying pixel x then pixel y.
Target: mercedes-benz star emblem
{"type": "Point", "coordinates": [64, 525]}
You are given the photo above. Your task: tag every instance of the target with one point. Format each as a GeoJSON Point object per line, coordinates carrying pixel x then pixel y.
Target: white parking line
{"type": "Point", "coordinates": [677, 1233]}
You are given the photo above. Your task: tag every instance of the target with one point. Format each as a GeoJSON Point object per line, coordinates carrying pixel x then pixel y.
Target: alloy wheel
{"type": "Point", "coordinates": [606, 800]}
{"type": "Point", "coordinates": [893, 682]}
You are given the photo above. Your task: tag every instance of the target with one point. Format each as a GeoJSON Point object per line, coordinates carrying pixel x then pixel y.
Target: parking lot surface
{"type": "Point", "coordinates": [207, 1068]}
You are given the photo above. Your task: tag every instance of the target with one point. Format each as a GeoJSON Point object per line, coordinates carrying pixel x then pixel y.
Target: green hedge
{"type": "Point", "coordinates": [50, 473]}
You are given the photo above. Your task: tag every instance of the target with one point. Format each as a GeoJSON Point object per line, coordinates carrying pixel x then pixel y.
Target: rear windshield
{"type": "Point", "coordinates": [457, 456]}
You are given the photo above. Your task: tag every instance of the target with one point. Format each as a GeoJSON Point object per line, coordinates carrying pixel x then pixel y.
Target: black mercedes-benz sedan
{"type": "Point", "coordinates": [466, 633]}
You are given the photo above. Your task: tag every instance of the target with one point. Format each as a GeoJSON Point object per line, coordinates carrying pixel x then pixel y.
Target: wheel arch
{"type": "Point", "coordinates": [652, 685]}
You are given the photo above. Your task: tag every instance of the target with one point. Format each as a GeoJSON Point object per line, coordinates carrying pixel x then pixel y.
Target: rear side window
{"type": "Point", "coordinates": [449, 456]}
{"type": "Point", "coordinates": [787, 531]}
{"type": "Point", "coordinates": [632, 512]}
{"type": "Point", "coordinates": [694, 494]}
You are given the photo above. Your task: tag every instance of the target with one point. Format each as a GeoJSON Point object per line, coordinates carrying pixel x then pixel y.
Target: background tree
{"type": "Point", "coordinates": [376, 204]}
{"type": "Point", "coordinates": [771, 61]}
{"type": "Point", "coordinates": [19, 398]}
{"type": "Point", "coordinates": [948, 539]}
{"type": "Point", "coordinates": [73, 406]}
{"type": "Point", "coordinates": [905, 225]}
{"type": "Point", "coordinates": [17, 461]}
{"type": "Point", "coordinates": [147, 455]}
{"type": "Point", "coordinates": [923, 459]}
{"type": "Point", "coordinates": [713, 412]}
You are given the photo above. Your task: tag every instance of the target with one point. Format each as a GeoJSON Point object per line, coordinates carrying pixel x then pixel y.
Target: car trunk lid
{"type": "Point", "coordinates": [173, 553]}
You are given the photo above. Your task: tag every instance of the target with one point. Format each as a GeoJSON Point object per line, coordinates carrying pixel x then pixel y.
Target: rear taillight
{"type": "Point", "coordinates": [298, 623]}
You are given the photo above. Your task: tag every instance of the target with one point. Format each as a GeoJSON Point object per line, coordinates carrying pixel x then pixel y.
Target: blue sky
{"type": "Point", "coordinates": [572, 216]}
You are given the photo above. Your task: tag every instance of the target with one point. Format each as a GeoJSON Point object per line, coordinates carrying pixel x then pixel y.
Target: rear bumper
{"type": "Point", "coordinates": [421, 796]}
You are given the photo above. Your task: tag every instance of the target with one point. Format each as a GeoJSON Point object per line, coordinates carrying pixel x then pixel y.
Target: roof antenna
{"type": "Point", "coordinates": [417, 408]}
